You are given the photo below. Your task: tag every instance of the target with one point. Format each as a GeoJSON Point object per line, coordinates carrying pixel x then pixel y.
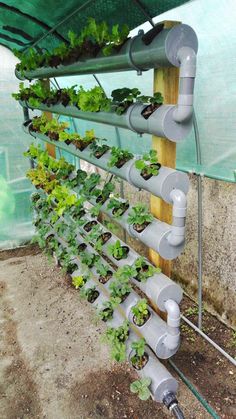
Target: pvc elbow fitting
{"type": "Point", "coordinates": [179, 200]}
{"type": "Point", "coordinates": [184, 109]}
{"type": "Point", "coordinates": [177, 234]}
{"type": "Point", "coordinates": [173, 313]}
{"type": "Point", "coordinates": [182, 113]}
{"type": "Point", "coordinates": [173, 321]}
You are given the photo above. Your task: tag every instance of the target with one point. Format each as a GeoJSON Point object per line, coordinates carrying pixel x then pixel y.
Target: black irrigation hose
{"type": "Point", "coordinates": [177, 412]}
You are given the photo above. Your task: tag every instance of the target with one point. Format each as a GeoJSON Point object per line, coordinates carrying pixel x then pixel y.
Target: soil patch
{"type": "Point", "coordinates": [32, 249]}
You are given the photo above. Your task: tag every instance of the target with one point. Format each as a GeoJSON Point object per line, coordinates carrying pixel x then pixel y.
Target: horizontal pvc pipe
{"type": "Point", "coordinates": [162, 381]}
{"type": "Point", "coordinates": [155, 330]}
{"type": "Point", "coordinates": [155, 235]}
{"type": "Point", "coordinates": [160, 185]}
{"type": "Point", "coordinates": [136, 54]}
{"type": "Point", "coordinates": [160, 123]}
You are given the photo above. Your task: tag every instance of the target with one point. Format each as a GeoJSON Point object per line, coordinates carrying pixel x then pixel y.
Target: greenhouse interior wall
{"type": "Point", "coordinates": [215, 98]}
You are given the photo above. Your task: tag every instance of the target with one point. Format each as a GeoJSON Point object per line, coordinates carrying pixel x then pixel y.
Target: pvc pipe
{"type": "Point", "coordinates": [177, 234]}
{"type": "Point", "coordinates": [161, 380]}
{"type": "Point", "coordinates": [155, 236]}
{"type": "Point", "coordinates": [26, 114]}
{"type": "Point", "coordinates": [172, 340]}
{"type": "Point", "coordinates": [136, 54]}
{"type": "Point", "coordinates": [184, 109]}
{"type": "Point", "coordinates": [160, 123]}
{"type": "Point", "coordinates": [160, 185]}
{"type": "Point", "coordinates": [155, 330]}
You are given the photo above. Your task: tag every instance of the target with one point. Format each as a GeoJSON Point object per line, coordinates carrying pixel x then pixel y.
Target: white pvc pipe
{"type": "Point", "coordinates": [184, 109]}
{"type": "Point", "coordinates": [177, 234]}
{"type": "Point", "coordinates": [172, 339]}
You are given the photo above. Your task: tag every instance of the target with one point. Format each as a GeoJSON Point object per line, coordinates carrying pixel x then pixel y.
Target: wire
{"type": "Point", "coordinates": [200, 219]}
{"type": "Point", "coordinates": [193, 389]}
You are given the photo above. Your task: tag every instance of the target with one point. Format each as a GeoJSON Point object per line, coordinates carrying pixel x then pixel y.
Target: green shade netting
{"type": "Point", "coordinates": [24, 22]}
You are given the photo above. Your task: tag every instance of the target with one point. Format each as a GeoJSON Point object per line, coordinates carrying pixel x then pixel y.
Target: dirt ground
{"type": "Point", "coordinates": [53, 365]}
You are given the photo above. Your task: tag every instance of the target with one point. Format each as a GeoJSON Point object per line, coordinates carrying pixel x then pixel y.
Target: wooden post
{"type": "Point", "coordinates": [49, 147]}
{"type": "Point", "coordinates": [166, 81]}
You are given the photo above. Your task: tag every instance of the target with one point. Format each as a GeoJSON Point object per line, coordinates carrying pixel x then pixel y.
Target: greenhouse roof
{"type": "Point", "coordinates": [46, 23]}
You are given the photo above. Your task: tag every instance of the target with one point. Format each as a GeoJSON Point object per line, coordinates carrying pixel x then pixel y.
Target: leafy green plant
{"type": "Point", "coordinates": [94, 36]}
{"type": "Point", "coordinates": [144, 269]}
{"type": "Point", "coordinates": [93, 100]}
{"type": "Point", "coordinates": [107, 310]}
{"type": "Point", "coordinates": [117, 337]}
{"type": "Point", "coordinates": [89, 184]}
{"type": "Point", "coordinates": [104, 271]}
{"type": "Point", "coordinates": [125, 97]}
{"type": "Point", "coordinates": [139, 358]}
{"type": "Point", "coordinates": [124, 273]}
{"type": "Point", "coordinates": [117, 250]}
{"type": "Point", "coordinates": [104, 193]}
{"type": "Point", "coordinates": [91, 294]}
{"type": "Point", "coordinates": [120, 289]}
{"type": "Point", "coordinates": [119, 157]}
{"type": "Point", "coordinates": [78, 281]}
{"type": "Point", "coordinates": [148, 164]}
{"type": "Point", "coordinates": [141, 388]}
{"type": "Point", "coordinates": [140, 312]}
{"type": "Point", "coordinates": [139, 217]}
{"type": "Point", "coordinates": [88, 259]}
{"type": "Point", "coordinates": [99, 147]}
{"type": "Point", "coordinates": [117, 206]}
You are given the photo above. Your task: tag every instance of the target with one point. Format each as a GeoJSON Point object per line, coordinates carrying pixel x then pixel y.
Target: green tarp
{"type": "Point", "coordinates": [23, 22]}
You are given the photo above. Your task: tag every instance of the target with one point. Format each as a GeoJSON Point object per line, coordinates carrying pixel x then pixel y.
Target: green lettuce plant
{"type": "Point", "coordinates": [139, 217]}
{"type": "Point", "coordinates": [117, 250]}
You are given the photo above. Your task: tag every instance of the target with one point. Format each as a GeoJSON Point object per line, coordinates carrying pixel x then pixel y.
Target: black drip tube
{"type": "Point", "coordinates": [171, 403]}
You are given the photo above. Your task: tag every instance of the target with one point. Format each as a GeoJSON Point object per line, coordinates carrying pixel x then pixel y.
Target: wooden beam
{"type": "Point", "coordinates": [49, 147]}
{"type": "Point", "coordinates": [166, 81]}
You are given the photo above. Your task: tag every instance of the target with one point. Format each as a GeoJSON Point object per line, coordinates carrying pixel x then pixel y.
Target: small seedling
{"type": "Point", "coordinates": [144, 269]}
{"type": "Point", "coordinates": [91, 294]}
{"type": "Point", "coordinates": [107, 310]}
{"type": "Point", "coordinates": [140, 358]}
{"type": "Point", "coordinates": [118, 207]}
{"type": "Point", "coordinates": [78, 281]}
{"type": "Point", "coordinates": [119, 157]}
{"type": "Point", "coordinates": [140, 312]}
{"type": "Point", "coordinates": [140, 217]}
{"type": "Point", "coordinates": [141, 388]}
{"type": "Point", "coordinates": [120, 288]}
{"type": "Point", "coordinates": [148, 164]}
{"type": "Point", "coordinates": [117, 250]}
{"type": "Point", "coordinates": [117, 337]}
